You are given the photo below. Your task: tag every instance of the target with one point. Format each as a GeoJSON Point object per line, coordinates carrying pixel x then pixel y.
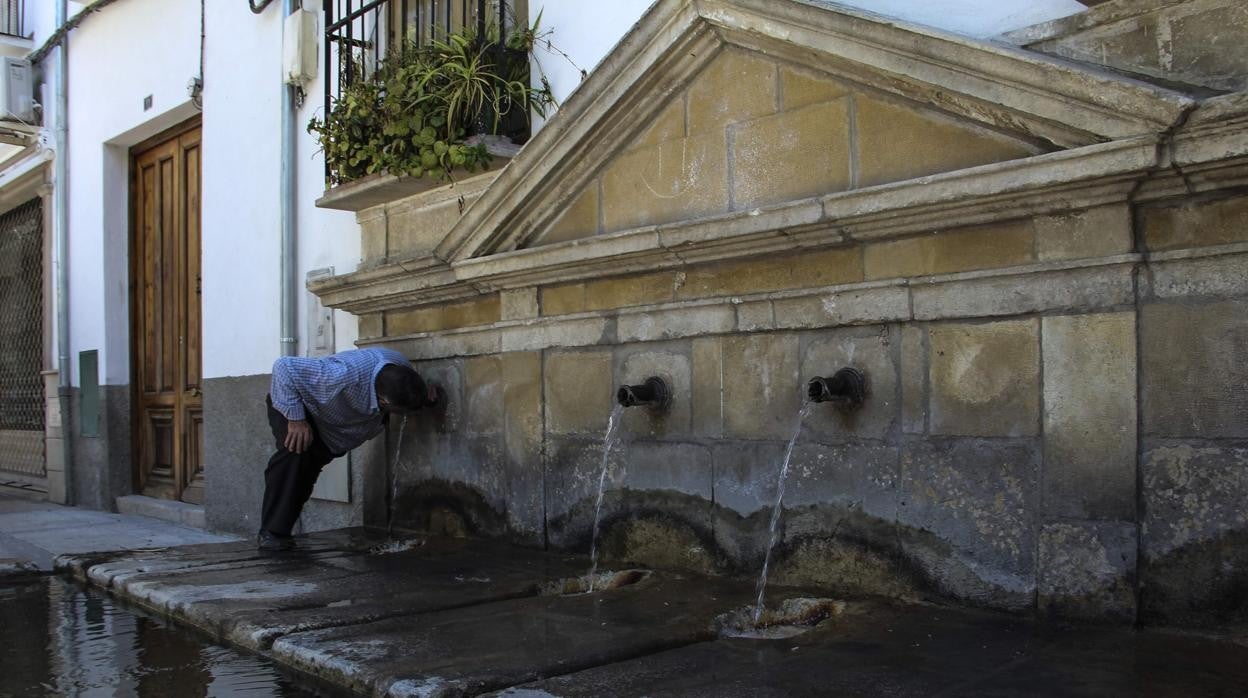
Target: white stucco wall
{"type": "Point", "coordinates": [242, 208]}
{"type": "Point", "coordinates": [152, 47]}
{"type": "Point", "coordinates": [116, 58]}
{"type": "Point", "coordinates": [587, 36]}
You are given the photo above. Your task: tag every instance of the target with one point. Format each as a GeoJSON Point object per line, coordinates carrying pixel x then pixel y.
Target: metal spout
{"type": "Point", "coordinates": [846, 388]}
{"type": "Point", "coordinates": [652, 393]}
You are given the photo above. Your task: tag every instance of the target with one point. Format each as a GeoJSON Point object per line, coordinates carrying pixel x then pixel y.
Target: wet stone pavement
{"type": "Point", "coordinates": [430, 617]}
{"type": "Point", "coordinates": [61, 639]}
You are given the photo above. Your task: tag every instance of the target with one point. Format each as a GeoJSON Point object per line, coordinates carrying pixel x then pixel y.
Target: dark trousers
{"type": "Point", "coordinates": [289, 479]}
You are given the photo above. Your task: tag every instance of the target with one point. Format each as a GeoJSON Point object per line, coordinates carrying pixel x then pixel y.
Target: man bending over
{"type": "Point", "coordinates": [319, 409]}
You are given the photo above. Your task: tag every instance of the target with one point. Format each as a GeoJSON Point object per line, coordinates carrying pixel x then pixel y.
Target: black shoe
{"type": "Point", "coordinates": [272, 541]}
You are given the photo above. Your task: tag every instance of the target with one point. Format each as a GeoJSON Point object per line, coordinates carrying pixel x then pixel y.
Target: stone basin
{"type": "Point", "coordinates": [446, 617]}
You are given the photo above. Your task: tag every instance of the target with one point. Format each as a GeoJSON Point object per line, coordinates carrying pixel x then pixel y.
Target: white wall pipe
{"type": "Point", "coordinates": [289, 337]}
{"type": "Point", "coordinates": [60, 193]}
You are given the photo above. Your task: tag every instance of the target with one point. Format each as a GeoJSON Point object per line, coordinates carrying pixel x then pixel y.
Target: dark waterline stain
{"type": "Point", "coordinates": [62, 639]}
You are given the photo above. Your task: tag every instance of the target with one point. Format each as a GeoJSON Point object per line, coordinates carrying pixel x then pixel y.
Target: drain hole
{"type": "Point", "coordinates": [601, 582]}
{"type": "Point", "coordinates": [793, 617]}
{"type": "Point", "coordinates": [396, 546]}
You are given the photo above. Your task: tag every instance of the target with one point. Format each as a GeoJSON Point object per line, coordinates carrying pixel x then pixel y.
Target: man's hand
{"type": "Point", "coordinates": [298, 436]}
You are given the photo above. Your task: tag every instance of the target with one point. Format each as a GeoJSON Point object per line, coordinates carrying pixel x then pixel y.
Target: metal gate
{"type": "Point", "coordinates": [21, 342]}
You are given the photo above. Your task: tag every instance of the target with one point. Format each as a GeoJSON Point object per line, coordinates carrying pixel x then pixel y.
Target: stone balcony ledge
{"type": "Point", "coordinates": [381, 189]}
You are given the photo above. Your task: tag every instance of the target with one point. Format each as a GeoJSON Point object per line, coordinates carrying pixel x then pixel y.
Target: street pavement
{"type": "Point", "coordinates": [423, 616]}
{"type": "Point", "coordinates": [414, 615]}
{"type": "Point", "coordinates": [34, 534]}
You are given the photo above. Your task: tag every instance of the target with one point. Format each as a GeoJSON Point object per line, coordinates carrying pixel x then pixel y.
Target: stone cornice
{"type": "Point", "coordinates": [1100, 15]}
{"type": "Point", "coordinates": [1209, 152]}
{"type": "Point", "coordinates": [1217, 130]}
{"type": "Point", "coordinates": [1079, 178]}
{"type": "Point", "coordinates": [1105, 283]}
{"type": "Point", "coordinates": [1060, 95]}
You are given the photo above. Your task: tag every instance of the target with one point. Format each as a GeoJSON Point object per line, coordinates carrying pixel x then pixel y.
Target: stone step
{"type": "Point", "coordinates": [165, 509]}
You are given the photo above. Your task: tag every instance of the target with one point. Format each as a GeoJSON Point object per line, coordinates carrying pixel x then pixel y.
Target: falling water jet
{"type": "Point", "coordinates": [775, 512]}
{"type": "Point", "coordinates": [654, 394]}
{"type": "Point", "coordinates": [394, 480]}
{"type": "Point", "coordinates": [608, 442]}
{"type": "Point", "coordinates": [847, 388]}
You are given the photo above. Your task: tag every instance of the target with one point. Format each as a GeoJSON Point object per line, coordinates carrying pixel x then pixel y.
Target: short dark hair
{"type": "Point", "coordinates": [401, 386]}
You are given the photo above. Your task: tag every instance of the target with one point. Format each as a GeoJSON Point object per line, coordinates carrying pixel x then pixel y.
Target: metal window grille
{"type": "Point", "coordinates": [21, 341]}
{"type": "Point", "coordinates": [360, 33]}
{"type": "Point", "coordinates": [13, 17]}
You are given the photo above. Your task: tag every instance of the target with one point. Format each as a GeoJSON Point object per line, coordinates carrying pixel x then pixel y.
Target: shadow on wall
{"type": "Point", "coordinates": [863, 555]}
{"type": "Point", "coordinates": [1169, 596]}
{"type": "Point", "coordinates": [448, 508]}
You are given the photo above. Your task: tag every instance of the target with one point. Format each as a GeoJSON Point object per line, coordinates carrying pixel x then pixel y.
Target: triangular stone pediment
{"type": "Point", "coordinates": [753, 131]}
{"type": "Point", "coordinates": [710, 107]}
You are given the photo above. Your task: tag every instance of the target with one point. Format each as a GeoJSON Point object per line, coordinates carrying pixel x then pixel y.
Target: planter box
{"type": "Point", "coordinates": [378, 189]}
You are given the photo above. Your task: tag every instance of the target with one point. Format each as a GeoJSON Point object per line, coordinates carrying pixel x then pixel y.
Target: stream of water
{"type": "Point", "coordinates": [608, 442]}
{"type": "Point", "coordinates": [775, 513]}
{"type": "Point", "coordinates": [394, 479]}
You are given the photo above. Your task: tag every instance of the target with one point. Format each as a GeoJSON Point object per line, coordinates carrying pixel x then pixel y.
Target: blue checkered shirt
{"type": "Point", "coordinates": [337, 392]}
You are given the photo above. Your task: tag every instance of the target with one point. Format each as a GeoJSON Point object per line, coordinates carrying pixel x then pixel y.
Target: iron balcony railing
{"type": "Point", "coordinates": [13, 18]}
{"type": "Point", "coordinates": [360, 33]}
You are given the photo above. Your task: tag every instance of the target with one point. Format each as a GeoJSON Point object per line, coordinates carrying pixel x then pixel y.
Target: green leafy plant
{"type": "Point", "coordinates": [414, 114]}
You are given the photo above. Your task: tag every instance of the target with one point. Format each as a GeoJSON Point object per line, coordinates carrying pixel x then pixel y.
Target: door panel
{"type": "Point", "coordinates": [165, 261]}
{"type": "Point", "coordinates": [189, 286]}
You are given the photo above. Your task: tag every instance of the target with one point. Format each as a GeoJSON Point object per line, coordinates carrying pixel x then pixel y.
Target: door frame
{"type": "Point", "coordinates": [133, 273]}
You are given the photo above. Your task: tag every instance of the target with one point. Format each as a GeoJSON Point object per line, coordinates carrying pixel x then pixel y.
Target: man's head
{"type": "Point", "coordinates": [400, 389]}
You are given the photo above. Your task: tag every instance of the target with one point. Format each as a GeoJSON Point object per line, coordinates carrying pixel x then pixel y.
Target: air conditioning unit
{"type": "Point", "coordinates": [17, 101]}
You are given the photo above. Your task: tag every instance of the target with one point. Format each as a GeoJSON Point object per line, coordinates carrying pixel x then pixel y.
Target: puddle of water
{"type": "Point", "coordinates": [793, 617]}
{"type": "Point", "coordinates": [596, 581]}
{"type": "Point", "coordinates": [396, 546]}
{"type": "Point", "coordinates": [60, 639]}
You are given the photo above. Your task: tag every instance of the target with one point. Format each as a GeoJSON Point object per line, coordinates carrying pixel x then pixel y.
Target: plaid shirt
{"type": "Point", "coordinates": [338, 393]}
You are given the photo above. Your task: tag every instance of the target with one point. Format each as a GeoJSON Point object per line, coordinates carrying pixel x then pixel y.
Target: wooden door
{"type": "Point", "coordinates": [166, 342]}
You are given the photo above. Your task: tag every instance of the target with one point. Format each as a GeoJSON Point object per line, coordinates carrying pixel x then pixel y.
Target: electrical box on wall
{"type": "Point", "coordinates": [17, 102]}
{"type": "Point", "coordinates": [299, 47]}
{"type": "Point", "coordinates": [320, 319]}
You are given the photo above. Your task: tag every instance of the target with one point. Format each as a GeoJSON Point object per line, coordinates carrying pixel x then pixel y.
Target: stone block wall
{"type": "Point", "coordinates": [1041, 269]}
{"type": "Point", "coordinates": [237, 446]}
{"type": "Point", "coordinates": [1056, 417]}
{"type": "Point", "coordinates": [414, 225]}
{"type": "Point", "coordinates": [1193, 466]}
{"type": "Point", "coordinates": [718, 147]}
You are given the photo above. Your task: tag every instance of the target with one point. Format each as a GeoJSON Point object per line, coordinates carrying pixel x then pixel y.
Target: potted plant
{"type": "Point", "coordinates": [423, 110]}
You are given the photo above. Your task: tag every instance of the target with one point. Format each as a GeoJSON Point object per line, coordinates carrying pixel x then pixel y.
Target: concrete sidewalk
{"type": "Point", "coordinates": [35, 533]}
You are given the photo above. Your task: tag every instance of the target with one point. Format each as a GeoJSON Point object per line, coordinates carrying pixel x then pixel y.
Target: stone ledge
{"type": "Point", "coordinates": [164, 509]}
{"type": "Point", "coordinates": [1223, 273]}
{"type": "Point", "coordinates": [381, 189]}
{"type": "Point", "coordinates": [1093, 17]}
{"type": "Point", "coordinates": [1067, 286]}
{"type": "Point", "coordinates": [1074, 287]}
